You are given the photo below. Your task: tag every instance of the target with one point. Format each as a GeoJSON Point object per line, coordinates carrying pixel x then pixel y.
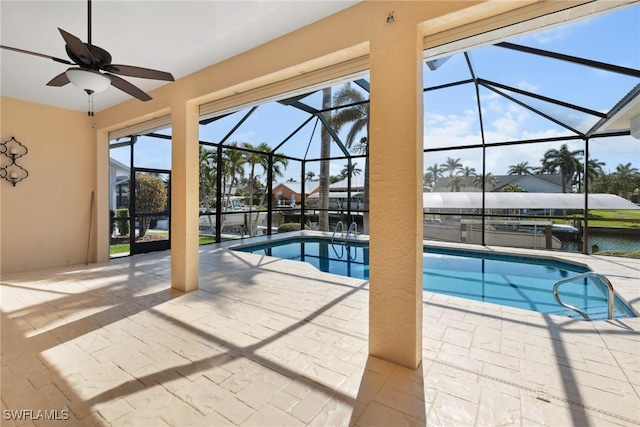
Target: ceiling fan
{"type": "Point", "coordinates": [92, 69]}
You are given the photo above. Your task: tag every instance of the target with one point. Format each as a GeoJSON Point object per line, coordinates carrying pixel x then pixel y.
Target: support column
{"type": "Point", "coordinates": [184, 197]}
{"type": "Point", "coordinates": [101, 229]}
{"type": "Point", "coordinates": [395, 299]}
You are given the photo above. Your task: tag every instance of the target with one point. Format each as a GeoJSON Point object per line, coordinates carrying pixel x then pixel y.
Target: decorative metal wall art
{"type": "Point", "coordinates": [12, 150]}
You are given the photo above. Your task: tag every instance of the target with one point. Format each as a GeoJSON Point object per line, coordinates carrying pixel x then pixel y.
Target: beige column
{"type": "Point", "coordinates": [395, 150]}
{"type": "Point", "coordinates": [101, 225]}
{"type": "Point", "coordinates": [184, 196]}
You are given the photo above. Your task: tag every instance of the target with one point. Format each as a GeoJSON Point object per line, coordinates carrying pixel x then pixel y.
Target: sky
{"type": "Point", "coordinates": [451, 115]}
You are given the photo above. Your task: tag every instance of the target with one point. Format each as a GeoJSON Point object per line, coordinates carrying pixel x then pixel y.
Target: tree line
{"type": "Point", "coordinates": [569, 164]}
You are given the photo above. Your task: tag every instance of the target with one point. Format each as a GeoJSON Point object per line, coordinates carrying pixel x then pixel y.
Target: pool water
{"type": "Point", "coordinates": [499, 279]}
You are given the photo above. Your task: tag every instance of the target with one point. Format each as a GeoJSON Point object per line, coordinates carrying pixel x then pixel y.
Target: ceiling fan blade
{"type": "Point", "coordinates": [127, 87]}
{"type": "Point", "coordinates": [144, 73]}
{"type": "Point", "coordinates": [41, 55]}
{"type": "Point", "coordinates": [59, 80]}
{"type": "Point", "coordinates": [77, 48]}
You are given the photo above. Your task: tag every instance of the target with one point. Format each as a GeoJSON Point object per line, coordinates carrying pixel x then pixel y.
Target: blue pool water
{"type": "Point", "coordinates": [500, 279]}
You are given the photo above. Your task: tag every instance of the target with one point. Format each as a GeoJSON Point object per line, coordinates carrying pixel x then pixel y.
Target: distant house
{"type": "Point", "coordinates": [118, 184]}
{"type": "Point", "coordinates": [338, 194]}
{"type": "Point", "coordinates": [291, 192]}
{"type": "Point", "coordinates": [543, 183]}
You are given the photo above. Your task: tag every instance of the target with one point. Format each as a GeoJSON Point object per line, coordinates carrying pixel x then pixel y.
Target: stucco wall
{"type": "Point", "coordinates": [44, 219]}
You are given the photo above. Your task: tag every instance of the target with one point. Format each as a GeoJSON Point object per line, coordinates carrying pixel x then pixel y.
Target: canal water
{"type": "Point", "coordinates": [610, 242]}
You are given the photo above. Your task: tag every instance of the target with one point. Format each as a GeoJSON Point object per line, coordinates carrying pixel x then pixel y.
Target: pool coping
{"type": "Point", "coordinates": [620, 271]}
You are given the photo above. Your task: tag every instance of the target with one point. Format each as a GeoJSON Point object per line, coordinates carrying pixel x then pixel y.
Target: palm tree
{"type": "Point", "coordinates": [358, 117]}
{"type": "Point", "coordinates": [310, 176]}
{"type": "Point", "coordinates": [456, 183]}
{"type": "Point", "coordinates": [512, 188]}
{"type": "Point", "coordinates": [467, 171]}
{"type": "Point", "coordinates": [564, 160]}
{"type": "Point", "coordinates": [259, 156]}
{"type": "Point", "coordinates": [594, 170]}
{"type": "Point", "coordinates": [435, 172]}
{"type": "Point", "coordinates": [233, 161]}
{"type": "Point", "coordinates": [488, 178]}
{"type": "Point", "coordinates": [452, 166]}
{"type": "Point", "coordinates": [625, 171]}
{"type": "Point", "coordinates": [427, 179]}
{"type": "Point", "coordinates": [207, 179]}
{"type": "Point", "coordinates": [521, 168]}
{"type": "Point", "coordinates": [350, 170]}
{"type": "Point", "coordinates": [325, 164]}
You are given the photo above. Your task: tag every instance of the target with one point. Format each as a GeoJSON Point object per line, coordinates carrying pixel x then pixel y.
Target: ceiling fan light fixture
{"type": "Point", "coordinates": [88, 80]}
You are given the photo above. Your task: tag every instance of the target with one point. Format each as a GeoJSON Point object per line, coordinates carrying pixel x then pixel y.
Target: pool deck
{"type": "Point", "coordinates": [267, 341]}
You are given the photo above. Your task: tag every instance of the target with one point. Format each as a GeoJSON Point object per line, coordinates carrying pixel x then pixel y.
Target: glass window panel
{"type": "Point", "coordinates": [451, 117]}
{"type": "Point", "coordinates": [454, 69]}
{"type": "Point", "coordinates": [216, 128]}
{"type": "Point", "coordinates": [505, 120]}
{"type": "Point", "coordinates": [594, 38]}
{"type": "Point", "coordinates": [149, 152]}
{"type": "Point", "coordinates": [270, 123]}
{"type": "Point", "coordinates": [586, 86]}
{"type": "Point", "coordinates": [570, 117]}
{"type": "Point", "coordinates": [119, 173]}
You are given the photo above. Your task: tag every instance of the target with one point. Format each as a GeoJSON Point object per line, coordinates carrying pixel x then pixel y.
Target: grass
{"type": "Point", "coordinates": [621, 253]}
{"type": "Point", "coordinates": [124, 247]}
{"type": "Point", "coordinates": [614, 218]}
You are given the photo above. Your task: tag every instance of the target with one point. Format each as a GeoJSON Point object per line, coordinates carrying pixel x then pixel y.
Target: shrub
{"type": "Point", "coordinates": [289, 226]}
{"type": "Point", "coordinates": [112, 222]}
{"type": "Point", "coordinates": [123, 224]}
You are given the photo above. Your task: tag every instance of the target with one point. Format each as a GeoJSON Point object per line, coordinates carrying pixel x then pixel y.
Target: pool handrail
{"type": "Point", "coordinates": [351, 228]}
{"type": "Point", "coordinates": [588, 275]}
{"type": "Point", "coordinates": [335, 230]}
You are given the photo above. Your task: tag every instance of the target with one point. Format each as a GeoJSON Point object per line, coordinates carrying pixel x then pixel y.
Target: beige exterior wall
{"type": "Point", "coordinates": [45, 218]}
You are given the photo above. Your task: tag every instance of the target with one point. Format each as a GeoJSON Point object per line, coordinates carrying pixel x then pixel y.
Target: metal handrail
{"type": "Point", "coordinates": [335, 230]}
{"type": "Point", "coordinates": [351, 227]}
{"type": "Point", "coordinates": [610, 293]}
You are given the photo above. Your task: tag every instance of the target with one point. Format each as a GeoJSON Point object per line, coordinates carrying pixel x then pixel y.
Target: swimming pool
{"type": "Point", "coordinates": [514, 281]}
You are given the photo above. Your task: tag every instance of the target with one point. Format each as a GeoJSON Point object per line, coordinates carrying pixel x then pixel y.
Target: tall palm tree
{"type": "Point", "coordinates": [358, 117]}
{"type": "Point", "coordinates": [456, 183]}
{"type": "Point", "coordinates": [427, 180]}
{"type": "Point", "coordinates": [564, 160]}
{"type": "Point", "coordinates": [452, 166]}
{"type": "Point", "coordinates": [521, 168]}
{"type": "Point", "coordinates": [594, 170]}
{"type": "Point", "coordinates": [487, 178]}
{"type": "Point", "coordinates": [325, 163]}
{"type": "Point", "coordinates": [259, 156]}
{"type": "Point", "coordinates": [435, 172]}
{"type": "Point", "coordinates": [207, 179]}
{"type": "Point", "coordinates": [310, 176]}
{"type": "Point", "coordinates": [233, 161]}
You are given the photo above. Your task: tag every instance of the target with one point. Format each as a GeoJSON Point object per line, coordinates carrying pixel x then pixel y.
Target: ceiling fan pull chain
{"type": "Point", "coordinates": [90, 112]}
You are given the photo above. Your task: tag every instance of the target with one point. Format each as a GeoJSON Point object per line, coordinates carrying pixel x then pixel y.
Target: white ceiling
{"type": "Point", "coordinates": [177, 36]}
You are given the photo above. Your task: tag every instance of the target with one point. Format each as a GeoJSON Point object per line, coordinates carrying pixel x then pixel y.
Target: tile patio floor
{"type": "Point", "coordinates": [276, 342]}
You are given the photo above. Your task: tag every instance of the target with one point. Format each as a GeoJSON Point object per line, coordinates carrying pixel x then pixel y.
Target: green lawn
{"type": "Point", "coordinates": [124, 247]}
{"type": "Point", "coordinates": [615, 218]}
